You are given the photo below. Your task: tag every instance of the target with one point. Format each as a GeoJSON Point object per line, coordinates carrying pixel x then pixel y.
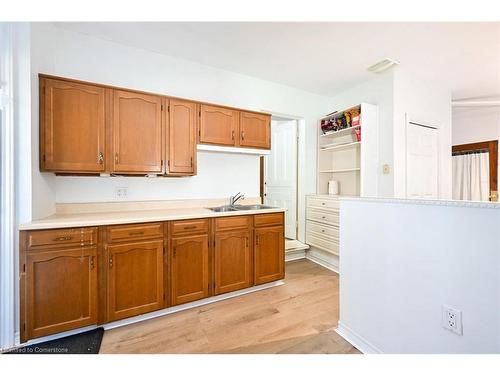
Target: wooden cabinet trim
{"type": "Point", "coordinates": [188, 227]}
{"type": "Point", "coordinates": [232, 222]}
{"type": "Point", "coordinates": [56, 238]}
{"type": "Point", "coordinates": [210, 132]}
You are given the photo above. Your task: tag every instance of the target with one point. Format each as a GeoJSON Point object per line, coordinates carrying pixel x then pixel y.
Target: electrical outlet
{"type": "Point", "coordinates": [121, 193]}
{"type": "Point", "coordinates": [452, 319]}
{"type": "Point", "coordinates": [386, 169]}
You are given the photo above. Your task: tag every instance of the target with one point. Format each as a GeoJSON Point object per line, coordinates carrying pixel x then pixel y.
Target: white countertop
{"type": "Point", "coordinates": [434, 202]}
{"type": "Point", "coordinates": [129, 217]}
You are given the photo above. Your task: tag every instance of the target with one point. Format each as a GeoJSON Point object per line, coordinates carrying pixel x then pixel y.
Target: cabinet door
{"type": "Point", "coordinates": [255, 130]}
{"type": "Point", "coordinates": [61, 290]}
{"type": "Point", "coordinates": [218, 125]}
{"type": "Point", "coordinates": [72, 127]}
{"type": "Point", "coordinates": [137, 133]}
{"type": "Point", "coordinates": [181, 138]}
{"type": "Point", "coordinates": [135, 278]}
{"type": "Point", "coordinates": [233, 261]}
{"type": "Point", "coordinates": [269, 254]}
{"type": "Point", "coordinates": [189, 269]}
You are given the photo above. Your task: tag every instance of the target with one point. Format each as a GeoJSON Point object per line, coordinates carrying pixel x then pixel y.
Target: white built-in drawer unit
{"type": "Point", "coordinates": [322, 222]}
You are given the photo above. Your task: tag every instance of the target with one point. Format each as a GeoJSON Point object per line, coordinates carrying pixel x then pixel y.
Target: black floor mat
{"type": "Point", "coordinates": [82, 343]}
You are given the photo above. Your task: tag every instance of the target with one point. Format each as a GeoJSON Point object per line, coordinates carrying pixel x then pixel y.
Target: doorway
{"type": "Point", "coordinates": [475, 168]}
{"type": "Point", "coordinates": [278, 177]}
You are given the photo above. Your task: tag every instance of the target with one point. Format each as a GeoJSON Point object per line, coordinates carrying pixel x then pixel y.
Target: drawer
{"type": "Point", "coordinates": [323, 203]}
{"type": "Point", "coordinates": [233, 222]}
{"type": "Point", "coordinates": [70, 236]}
{"type": "Point", "coordinates": [264, 220]}
{"type": "Point", "coordinates": [188, 227]}
{"type": "Point", "coordinates": [325, 217]}
{"type": "Point", "coordinates": [134, 232]}
{"type": "Point", "coordinates": [322, 230]}
{"type": "Point", "coordinates": [331, 246]}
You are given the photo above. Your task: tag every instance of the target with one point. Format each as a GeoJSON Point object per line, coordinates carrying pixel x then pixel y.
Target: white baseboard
{"type": "Point", "coordinates": [323, 258]}
{"type": "Point", "coordinates": [155, 314]}
{"type": "Point", "coordinates": [356, 340]}
{"type": "Point", "coordinates": [294, 255]}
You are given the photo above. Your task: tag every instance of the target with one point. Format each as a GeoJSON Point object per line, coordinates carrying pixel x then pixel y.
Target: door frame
{"type": "Point", "coordinates": [299, 183]}
{"type": "Point", "coordinates": [492, 147]}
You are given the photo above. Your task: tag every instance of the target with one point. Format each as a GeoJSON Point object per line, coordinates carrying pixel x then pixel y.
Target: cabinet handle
{"type": "Point", "coordinates": [323, 203]}
{"type": "Point", "coordinates": [323, 217]}
{"type": "Point", "coordinates": [116, 158]}
{"type": "Point", "coordinates": [242, 136]}
{"type": "Point", "coordinates": [246, 238]}
{"type": "Point", "coordinates": [257, 239]}
{"type": "Point", "coordinates": [92, 262]}
{"type": "Point", "coordinates": [136, 233]}
{"type": "Point", "coordinates": [175, 251]}
{"type": "Point", "coordinates": [63, 238]}
{"type": "Point", "coordinates": [100, 158]}
{"type": "Point", "coordinates": [191, 161]}
{"type": "Point", "coordinates": [110, 261]}
{"type": "Point", "coordinates": [232, 135]}
{"type": "Point", "coordinates": [190, 227]}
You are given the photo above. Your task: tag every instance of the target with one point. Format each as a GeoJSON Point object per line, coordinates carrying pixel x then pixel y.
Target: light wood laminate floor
{"type": "Point", "coordinates": [298, 317]}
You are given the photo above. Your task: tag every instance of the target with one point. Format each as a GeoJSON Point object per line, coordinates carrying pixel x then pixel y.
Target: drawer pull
{"type": "Point", "coordinates": [140, 233]}
{"type": "Point", "coordinates": [63, 238]}
{"type": "Point", "coordinates": [322, 231]}
{"type": "Point", "coordinates": [190, 227]}
{"type": "Point", "coordinates": [323, 217]}
{"type": "Point", "coordinates": [323, 203]}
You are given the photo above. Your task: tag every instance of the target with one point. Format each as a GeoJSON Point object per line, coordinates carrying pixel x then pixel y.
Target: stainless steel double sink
{"type": "Point", "coordinates": [240, 207]}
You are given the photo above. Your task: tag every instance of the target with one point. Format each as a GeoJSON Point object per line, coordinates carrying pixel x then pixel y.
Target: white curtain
{"type": "Point", "coordinates": [471, 176]}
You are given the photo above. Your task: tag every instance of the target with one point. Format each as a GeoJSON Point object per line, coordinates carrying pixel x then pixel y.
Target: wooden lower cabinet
{"type": "Point", "coordinates": [135, 278]}
{"type": "Point", "coordinates": [77, 277]}
{"type": "Point", "coordinates": [189, 272]}
{"type": "Point", "coordinates": [269, 254]}
{"type": "Point", "coordinates": [60, 290]}
{"type": "Point", "coordinates": [233, 261]}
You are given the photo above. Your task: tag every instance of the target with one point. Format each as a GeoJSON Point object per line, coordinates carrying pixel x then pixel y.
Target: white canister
{"type": "Point", "coordinates": [333, 187]}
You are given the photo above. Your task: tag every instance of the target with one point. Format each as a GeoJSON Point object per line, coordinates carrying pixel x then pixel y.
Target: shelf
{"type": "Point", "coordinates": [340, 146]}
{"type": "Point", "coordinates": [340, 170]}
{"type": "Point", "coordinates": [342, 131]}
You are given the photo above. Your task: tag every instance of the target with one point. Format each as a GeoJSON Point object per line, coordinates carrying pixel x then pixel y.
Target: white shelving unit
{"type": "Point", "coordinates": [344, 158]}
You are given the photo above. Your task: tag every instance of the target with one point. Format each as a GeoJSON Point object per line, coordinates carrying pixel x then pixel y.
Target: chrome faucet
{"type": "Point", "coordinates": [235, 198]}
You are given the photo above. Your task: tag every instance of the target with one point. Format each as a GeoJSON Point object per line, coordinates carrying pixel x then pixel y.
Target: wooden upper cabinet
{"type": "Point", "coordinates": [269, 254]}
{"type": "Point", "coordinates": [72, 127]}
{"type": "Point", "coordinates": [218, 125]}
{"type": "Point", "coordinates": [255, 130]}
{"type": "Point", "coordinates": [137, 133]}
{"type": "Point", "coordinates": [189, 275]}
{"type": "Point", "coordinates": [60, 291]}
{"type": "Point", "coordinates": [181, 138]}
{"type": "Point", "coordinates": [135, 278]}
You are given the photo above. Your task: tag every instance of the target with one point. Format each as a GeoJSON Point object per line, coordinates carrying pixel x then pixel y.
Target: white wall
{"type": "Point", "coordinates": [68, 54]}
{"type": "Point", "coordinates": [398, 92]}
{"type": "Point", "coordinates": [378, 91]}
{"type": "Point", "coordinates": [410, 260]}
{"type": "Point", "coordinates": [427, 103]}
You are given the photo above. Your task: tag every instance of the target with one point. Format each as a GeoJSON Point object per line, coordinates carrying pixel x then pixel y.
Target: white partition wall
{"type": "Point", "coordinates": [413, 258]}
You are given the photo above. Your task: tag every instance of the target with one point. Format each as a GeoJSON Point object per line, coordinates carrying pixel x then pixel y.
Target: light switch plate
{"type": "Point", "coordinates": [121, 192]}
{"type": "Point", "coordinates": [386, 169]}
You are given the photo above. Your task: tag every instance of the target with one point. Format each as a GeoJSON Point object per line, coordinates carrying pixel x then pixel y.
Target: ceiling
{"type": "Point", "coordinates": [324, 58]}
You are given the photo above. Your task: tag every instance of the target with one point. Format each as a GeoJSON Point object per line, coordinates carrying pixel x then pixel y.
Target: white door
{"type": "Point", "coordinates": [280, 173]}
{"type": "Point", "coordinates": [421, 162]}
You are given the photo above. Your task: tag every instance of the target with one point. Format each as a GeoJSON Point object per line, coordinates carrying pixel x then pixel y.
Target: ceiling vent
{"type": "Point", "coordinates": [383, 65]}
